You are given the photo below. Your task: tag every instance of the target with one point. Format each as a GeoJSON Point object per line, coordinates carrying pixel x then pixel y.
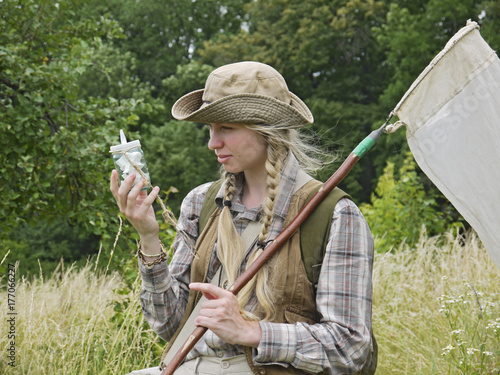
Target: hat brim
{"type": "Point", "coordinates": [243, 108]}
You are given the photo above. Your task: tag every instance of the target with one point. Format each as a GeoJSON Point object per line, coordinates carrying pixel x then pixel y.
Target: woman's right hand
{"type": "Point", "coordinates": [137, 206]}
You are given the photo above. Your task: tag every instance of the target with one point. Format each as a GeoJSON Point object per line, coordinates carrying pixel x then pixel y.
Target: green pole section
{"type": "Point", "coordinates": [364, 146]}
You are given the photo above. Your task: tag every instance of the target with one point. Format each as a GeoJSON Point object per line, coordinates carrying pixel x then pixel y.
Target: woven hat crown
{"type": "Point", "coordinates": [245, 92]}
{"type": "Point", "coordinates": [245, 77]}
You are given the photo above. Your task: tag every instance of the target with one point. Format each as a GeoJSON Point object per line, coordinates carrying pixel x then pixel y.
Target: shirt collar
{"type": "Point", "coordinates": [285, 191]}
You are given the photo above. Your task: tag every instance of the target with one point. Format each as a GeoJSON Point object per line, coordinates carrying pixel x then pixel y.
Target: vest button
{"type": "Point", "coordinates": [262, 371]}
{"type": "Point", "coordinates": [224, 364]}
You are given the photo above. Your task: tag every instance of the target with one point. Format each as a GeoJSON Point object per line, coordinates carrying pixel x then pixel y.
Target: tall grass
{"type": "Point", "coordinates": [411, 322]}
{"type": "Point", "coordinates": [65, 325]}
{"type": "Point", "coordinates": [81, 322]}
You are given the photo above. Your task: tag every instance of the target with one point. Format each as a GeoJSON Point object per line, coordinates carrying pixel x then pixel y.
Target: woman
{"type": "Point", "coordinates": [278, 324]}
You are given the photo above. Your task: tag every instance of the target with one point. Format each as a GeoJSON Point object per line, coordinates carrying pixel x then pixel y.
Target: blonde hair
{"type": "Point", "coordinates": [230, 248]}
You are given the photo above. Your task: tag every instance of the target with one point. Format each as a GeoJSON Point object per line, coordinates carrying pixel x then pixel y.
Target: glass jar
{"type": "Point", "coordinates": [129, 158]}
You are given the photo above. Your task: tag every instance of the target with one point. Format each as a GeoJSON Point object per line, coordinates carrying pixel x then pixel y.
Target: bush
{"type": "Point", "coordinates": [401, 207]}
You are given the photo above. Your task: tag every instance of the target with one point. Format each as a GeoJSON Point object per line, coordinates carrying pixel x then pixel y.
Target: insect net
{"type": "Point", "coordinates": [452, 117]}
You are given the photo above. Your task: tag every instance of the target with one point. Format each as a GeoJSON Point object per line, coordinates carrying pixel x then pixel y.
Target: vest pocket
{"type": "Point", "coordinates": [293, 316]}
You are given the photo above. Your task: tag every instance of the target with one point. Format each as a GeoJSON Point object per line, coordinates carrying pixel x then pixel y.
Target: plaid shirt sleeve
{"type": "Point", "coordinates": [340, 342]}
{"type": "Point", "coordinates": [165, 288]}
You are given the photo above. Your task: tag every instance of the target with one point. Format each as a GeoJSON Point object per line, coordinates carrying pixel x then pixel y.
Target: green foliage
{"type": "Point", "coordinates": [53, 143]}
{"type": "Point", "coordinates": [110, 74]}
{"type": "Point", "coordinates": [340, 127]}
{"type": "Point", "coordinates": [163, 35]}
{"type": "Point", "coordinates": [323, 48]}
{"type": "Point", "coordinates": [44, 244]}
{"type": "Point", "coordinates": [187, 78]}
{"type": "Point", "coordinates": [414, 32]}
{"type": "Point", "coordinates": [177, 155]}
{"type": "Point", "coordinates": [401, 206]}
{"type": "Point", "coordinates": [490, 23]}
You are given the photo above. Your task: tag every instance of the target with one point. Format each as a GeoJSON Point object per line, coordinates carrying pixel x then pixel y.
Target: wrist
{"type": "Point", "coordinates": [150, 244]}
{"type": "Point", "coordinates": [150, 258]}
{"type": "Point", "coordinates": [251, 334]}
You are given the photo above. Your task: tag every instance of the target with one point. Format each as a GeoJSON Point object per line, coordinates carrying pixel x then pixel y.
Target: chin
{"type": "Point", "coordinates": [230, 169]}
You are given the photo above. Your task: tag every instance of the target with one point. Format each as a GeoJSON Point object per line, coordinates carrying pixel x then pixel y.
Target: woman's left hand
{"type": "Point", "coordinates": [221, 315]}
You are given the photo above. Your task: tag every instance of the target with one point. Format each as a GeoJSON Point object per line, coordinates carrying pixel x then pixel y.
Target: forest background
{"type": "Point", "coordinates": [73, 73]}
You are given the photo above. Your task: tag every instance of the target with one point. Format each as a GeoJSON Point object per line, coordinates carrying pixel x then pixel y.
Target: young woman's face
{"type": "Point", "coordinates": [238, 148]}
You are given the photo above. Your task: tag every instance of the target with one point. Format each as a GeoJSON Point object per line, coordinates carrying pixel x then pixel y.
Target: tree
{"type": "Point", "coordinates": [163, 35]}
{"type": "Point", "coordinates": [54, 144]}
{"type": "Point", "coordinates": [178, 156]}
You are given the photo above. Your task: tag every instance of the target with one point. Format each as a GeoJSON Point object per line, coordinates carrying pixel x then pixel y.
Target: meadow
{"type": "Point", "coordinates": [436, 311]}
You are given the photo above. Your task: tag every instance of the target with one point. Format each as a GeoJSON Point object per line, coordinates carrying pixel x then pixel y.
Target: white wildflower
{"type": "Point", "coordinates": [471, 350]}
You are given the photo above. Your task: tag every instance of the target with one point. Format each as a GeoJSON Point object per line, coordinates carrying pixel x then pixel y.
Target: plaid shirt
{"type": "Point", "coordinates": [339, 344]}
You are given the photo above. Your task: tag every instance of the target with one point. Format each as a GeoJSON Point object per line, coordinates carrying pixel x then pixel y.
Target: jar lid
{"type": "Point", "coordinates": [125, 146]}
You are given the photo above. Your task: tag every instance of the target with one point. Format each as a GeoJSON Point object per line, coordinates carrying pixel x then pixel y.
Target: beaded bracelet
{"type": "Point", "coordinates": [162, 255]}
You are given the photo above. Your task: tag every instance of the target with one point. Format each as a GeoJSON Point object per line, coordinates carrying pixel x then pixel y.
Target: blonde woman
{"type": "Point", "coordinates": [279, 324]}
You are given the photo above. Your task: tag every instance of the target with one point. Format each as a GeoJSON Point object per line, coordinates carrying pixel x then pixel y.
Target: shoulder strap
{"type": "Point", "coordinates": [209, 205]}
{"type": "Point", "coordinates": [314, 233]}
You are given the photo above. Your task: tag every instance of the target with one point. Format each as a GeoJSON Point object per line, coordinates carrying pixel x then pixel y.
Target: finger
{"type": "Point", "coordinates": [113, 183]}
{"type": "Point", "coordinates": [147, 203]}
{"type": "Point", "coordinates": [209, 291]}
{"type": "Point", "coordinates": [132, 201]}
{"type": "Point", "coordinates": [141, 196]}
{"type": "Point", "coordinates": [201, 321]}
{"type": "Point", "coordinates": [217, 303]}
{"type": "Point", "coordinates": [151, 197]}
{"type": "Point", "coordinates": [124, 190]}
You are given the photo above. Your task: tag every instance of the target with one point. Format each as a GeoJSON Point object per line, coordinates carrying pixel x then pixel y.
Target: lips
{"type": "Point", "coordinates": [223, 158]}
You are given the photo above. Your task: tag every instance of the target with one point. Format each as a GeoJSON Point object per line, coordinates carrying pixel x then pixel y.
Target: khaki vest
{"type": "Point", "coordinates": [297, 301]}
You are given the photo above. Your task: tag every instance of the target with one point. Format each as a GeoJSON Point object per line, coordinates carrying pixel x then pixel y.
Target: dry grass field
{"type": "Point", "coordinates": [436, 311]}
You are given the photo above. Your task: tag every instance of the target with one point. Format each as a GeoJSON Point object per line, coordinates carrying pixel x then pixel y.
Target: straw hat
{"type": "Point", "coordinates": [245, 92]}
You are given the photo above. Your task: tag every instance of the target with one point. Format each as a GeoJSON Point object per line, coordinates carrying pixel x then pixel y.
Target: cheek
{"type": "Point", "coordinates": [253, 148]}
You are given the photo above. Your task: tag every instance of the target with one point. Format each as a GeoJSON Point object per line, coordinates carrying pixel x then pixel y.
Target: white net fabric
{"type": "Point", "coordinates": [452, 115]}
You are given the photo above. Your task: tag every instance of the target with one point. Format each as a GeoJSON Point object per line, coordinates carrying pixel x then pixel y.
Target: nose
{"type": "Point", "coordinates": [215, 141]}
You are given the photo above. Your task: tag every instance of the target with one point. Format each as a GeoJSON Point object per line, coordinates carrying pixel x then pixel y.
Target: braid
{"type": "Point", "coordinates": [273, 180]}
{"type": "Point", "coordinates": [230, 186]}
{"type": "Point", "coordinates": [260, 283]}
{"type": "Point", "coordinates": [230, 248]}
